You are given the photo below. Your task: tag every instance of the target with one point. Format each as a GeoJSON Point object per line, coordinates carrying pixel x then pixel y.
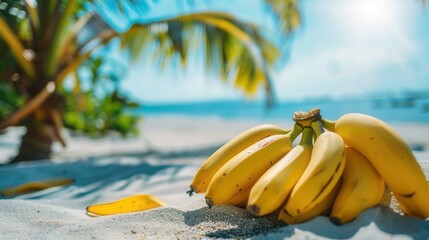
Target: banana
{"type": "Point", "coordinates": [319, 209]}
{"type": "Point", "coordinates": [207, 170]}
{"type": "Point", "coordinates": [391, 157]}
{"type": "Point", "coordinates": [36, 186]}
{"type": "Point", "coordinates": [320, 177]}
{"type": "Point", "coordinates": [239, 200]}
{"type": "Point", "coordinates": [244, 169]}
{"type": "Point", "coordinates": [135, 203]}
{"type": "Point", "coordinates": [362, 188]}
{"type": "Point", "coordinates": [272, 189]}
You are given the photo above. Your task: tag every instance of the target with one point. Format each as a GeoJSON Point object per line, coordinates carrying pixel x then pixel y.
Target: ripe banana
{"type": "Point", "coordinates": [272, 189]}
{"type": "Point", "coordinates": [36, 186]}
{"type": "Point", "coordinates": [319, 209]}
{"type": "Point", "coordinates": [320, 177]}
{"type": "Point", "coordinates": [239, 200]}
{"type": "Point", "coordinates": [207, 170]}
{"type": "Point", "coordinates": [134, 203]}
{"type": "Point", "coordinates": [390, 156]}
{"type": "Point", "coordinates": [244, 169]}
{"type": "Point", "coordinates": [362, 188]}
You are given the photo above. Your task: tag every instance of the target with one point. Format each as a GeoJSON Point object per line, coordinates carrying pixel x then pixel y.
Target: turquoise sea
{"type": "Point", "coordinates": [399, 109]}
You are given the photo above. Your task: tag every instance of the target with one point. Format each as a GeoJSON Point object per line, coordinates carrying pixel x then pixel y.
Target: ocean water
{"type": "Point", "coordinates": [404, 109]}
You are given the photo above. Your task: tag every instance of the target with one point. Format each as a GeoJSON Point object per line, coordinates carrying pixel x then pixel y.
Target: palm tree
{"type": "Point", "coordinates": [50, 39]}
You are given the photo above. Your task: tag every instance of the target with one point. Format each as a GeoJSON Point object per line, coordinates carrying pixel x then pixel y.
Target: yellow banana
{"type": "Point", "coordinates": [134, 203]}
{"type": "Point", "coordinates": [319, 178]}
{"type": "Point", "coordinates": [321, 208]}
{"type": "Point", "coordinates": [207, 170]}
{"type": "Point", "coordinates": [239, 200]}
{"type": "Point", "coordinates": [391, 157]}
{"type": "Point", "coordinates": [244, 169]}
{"type": "Point", "coordinates": [272, 189]}
{"type": "Point", "coordinates": [362, 188]}
{"type": "Point", "coordinates": [36, 186]}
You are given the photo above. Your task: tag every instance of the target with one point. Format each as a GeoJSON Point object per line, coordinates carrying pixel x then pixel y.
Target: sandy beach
{"type": "Point", "coordinates": [162, 161]}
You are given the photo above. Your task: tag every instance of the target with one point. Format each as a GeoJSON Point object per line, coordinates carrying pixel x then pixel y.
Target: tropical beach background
{"type": "Point", "coordinates": [130, 97]}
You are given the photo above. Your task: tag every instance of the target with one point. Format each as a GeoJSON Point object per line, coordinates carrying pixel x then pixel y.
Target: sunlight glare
{"type": "Point", "coordinates": [373, 15]}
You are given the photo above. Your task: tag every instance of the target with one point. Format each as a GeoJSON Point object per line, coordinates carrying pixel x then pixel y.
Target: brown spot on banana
{"type": "Point", "coordinates": [353, 184]}
{"type": "Point", "coordinates": [264, 144]}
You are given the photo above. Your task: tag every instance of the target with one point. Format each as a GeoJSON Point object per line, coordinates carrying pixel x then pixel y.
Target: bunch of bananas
{"type": "Point", "coordinates": [338, 169]}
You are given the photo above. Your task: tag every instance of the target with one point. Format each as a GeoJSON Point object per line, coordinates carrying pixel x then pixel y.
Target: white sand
{"type": "Point", "coordinates": [162, 162]}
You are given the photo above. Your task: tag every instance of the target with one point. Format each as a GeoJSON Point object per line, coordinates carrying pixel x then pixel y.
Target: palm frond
{"type": "Point", "coordinates": [59, 36]}
{"type": "Point", "coordinates": [91, 30]}
{"type": "Point", "coordinates": [17, 48]}
{"type": "Point", "coordinates": [233, 48]}
{"type": "Point", "coordinates": [30, 106]}
{"type": "Point", "coordinates": [287, 13]}
{"type": "Point", "coordinates": [32, 14]}
{"type": "Point", "coordinates": [70, 43]}
{"type": "Point", "coordinates": [133, 8]}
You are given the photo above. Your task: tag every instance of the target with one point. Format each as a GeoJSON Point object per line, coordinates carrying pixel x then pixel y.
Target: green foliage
{"type": "Point", "coordinates": [89, 114]}
{"type": "Point", "coordinates": [102, 107]}
{"type": "Point", "coordinates": [10, 100]}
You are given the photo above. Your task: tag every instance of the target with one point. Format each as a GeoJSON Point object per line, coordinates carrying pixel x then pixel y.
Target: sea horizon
{"type": "Point", "coordinates": [407, 107]}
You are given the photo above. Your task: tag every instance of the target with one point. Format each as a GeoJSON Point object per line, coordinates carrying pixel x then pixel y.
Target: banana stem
{"type": "Point", "coordinates": [328, 124]}
{"type": "Point", "coordinates": [306, 118]}
{"type": "Point", "coordinates": [296, 130]}
{"type": "Point", "coordinates": [317, 128]}
{"type": "Point", "coordinates": [307, 137]}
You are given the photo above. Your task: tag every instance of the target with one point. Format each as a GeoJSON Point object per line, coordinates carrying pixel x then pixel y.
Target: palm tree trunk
{"type": "Point", "coordinates": [36, 143]}
{"type": "Point", "coordinates": [43, 129]}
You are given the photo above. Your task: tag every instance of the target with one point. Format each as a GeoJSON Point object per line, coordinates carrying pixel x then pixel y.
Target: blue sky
{"type": "Point", "coordinates": [344, 48]}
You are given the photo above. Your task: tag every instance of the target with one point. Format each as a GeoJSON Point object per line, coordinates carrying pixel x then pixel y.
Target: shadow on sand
{"type": "Point", "coordinates": [101, 171]}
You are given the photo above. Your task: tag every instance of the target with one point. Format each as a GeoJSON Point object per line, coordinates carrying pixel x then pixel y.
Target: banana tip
{"type": "Point", "coordinates": [209, 202]}
{"type": "Point", "coordinates": [191, 190]}
{"type": "Point", "coordinates": [254, 209]}
{"type": "Point", "coordinates": [336, 221]}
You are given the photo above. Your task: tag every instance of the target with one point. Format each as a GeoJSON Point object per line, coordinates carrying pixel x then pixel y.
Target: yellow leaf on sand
{"type": "Point", "coordinates": [135, 203]}
{"type": "Point", "coordinates": [36, 186]}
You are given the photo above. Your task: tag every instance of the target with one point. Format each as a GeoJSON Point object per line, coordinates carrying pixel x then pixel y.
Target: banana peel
{"type": "Point", "coordinates": [35, 186]}
{"type": "Point", "coordinates": [135, 203]}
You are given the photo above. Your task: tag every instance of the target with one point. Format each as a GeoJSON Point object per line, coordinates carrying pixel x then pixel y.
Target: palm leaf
{"type": "Point", "coordinates": [16, 47]}
{"type": "Point", "coordinates": [287, 13]}
{"type": "Point", "coordinates": [233, 48]}
{"type": "Point", "coordinates": [30, 106]}
{"type": "Point", "coordinates": [59, 36]}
